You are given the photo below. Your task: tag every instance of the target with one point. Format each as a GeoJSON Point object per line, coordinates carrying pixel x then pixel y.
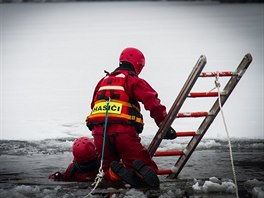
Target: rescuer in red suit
{"type": "Point", "coordinates": [120, 92]}
{"type": "Point", "coordinates": [85, 163]}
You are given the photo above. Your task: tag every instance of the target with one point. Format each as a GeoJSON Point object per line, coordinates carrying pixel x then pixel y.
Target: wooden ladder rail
{"type": "Point", "coordinates": [230, 85]}
{"type": "Point", "coordinates": [195, 140]}
{"type": "Point", "coordinates": [177, 105]}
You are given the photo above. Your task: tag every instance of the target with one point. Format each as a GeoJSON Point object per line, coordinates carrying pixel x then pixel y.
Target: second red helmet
{"type": "Point", "coordinates": [133, 56]}
{"type": "Point", "coordinates": [83, 150]}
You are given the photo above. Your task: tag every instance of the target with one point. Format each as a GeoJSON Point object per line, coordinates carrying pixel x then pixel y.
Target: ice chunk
{"type": "Point", "coordinates": [214, 185]}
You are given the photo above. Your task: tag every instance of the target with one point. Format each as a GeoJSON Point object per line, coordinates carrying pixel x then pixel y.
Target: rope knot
{"type": "Point", "coordinates": [217, 82]}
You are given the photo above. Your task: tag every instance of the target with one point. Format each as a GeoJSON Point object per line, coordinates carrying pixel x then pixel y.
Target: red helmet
{"type": "Point", "coordinates": [83, 150]}
{"type": "Point", "coordinates": [133, 56]}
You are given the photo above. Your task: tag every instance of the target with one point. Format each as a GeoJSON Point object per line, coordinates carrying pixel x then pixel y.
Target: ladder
{"type": "Point", "coordinates": [208, 116]}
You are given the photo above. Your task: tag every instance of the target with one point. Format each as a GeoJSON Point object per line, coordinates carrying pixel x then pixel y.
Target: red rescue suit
{"type": "Point", "coordinates": [78, 172]}
{"type": "Point", "coordinates": [126, 89]}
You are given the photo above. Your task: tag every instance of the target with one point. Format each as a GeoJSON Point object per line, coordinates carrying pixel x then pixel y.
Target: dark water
{"type": "Point", "coordinates": [25, 166]}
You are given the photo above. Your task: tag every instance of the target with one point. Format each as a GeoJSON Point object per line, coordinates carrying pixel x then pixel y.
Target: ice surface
{"type": "Point", "coordinates": [54, 54]}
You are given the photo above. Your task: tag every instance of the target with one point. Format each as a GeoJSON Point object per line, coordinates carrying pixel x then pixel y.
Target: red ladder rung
{"type": "Point", "coordinates": [168, 153]}
{"type": "Point", "coordinates": [202, 94]}
{"type": "Point", "coordinates": [213, 74]}
{"type": "Point", "coordinates": [192, 114]}
{"type": "Point", "coordinates": [185, 133]}
{"type": "Point", "coordinates": [164, 172]}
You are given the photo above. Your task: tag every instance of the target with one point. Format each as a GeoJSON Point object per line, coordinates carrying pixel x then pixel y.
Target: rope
{"type": "Point", "coordinates": [100, 174]}
{"type": "Point", "coordinates": [217, 84]}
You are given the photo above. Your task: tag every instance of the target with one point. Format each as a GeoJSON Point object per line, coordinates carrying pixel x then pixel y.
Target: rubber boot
{"type": "Point", "coordinates": [126, 175]}
{"type": "Point", "coordinates": [148, 175]}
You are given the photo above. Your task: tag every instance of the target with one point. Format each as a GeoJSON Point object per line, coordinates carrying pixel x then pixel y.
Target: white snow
{"type": "Point", "coordinates": [258, 192]}
{"type": "Point", "coordinates": [214, 185]}
{"type": "Point", "coordinates": [24, 191]}
{"type": "Point", "coordinates": [256, 188]}
{"type": "Point", "coordinates": [135, 193]}
{"type": "Point", "coordinates": [52, 55]}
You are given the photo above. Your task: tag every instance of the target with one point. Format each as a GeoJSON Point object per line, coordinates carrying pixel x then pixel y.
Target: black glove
{"type": "Point", "coordinates": [57, 176]}
{"type": "Point", "coordinates": [170, 135]}
{"type": "Point", "coordinates": [90, 126]}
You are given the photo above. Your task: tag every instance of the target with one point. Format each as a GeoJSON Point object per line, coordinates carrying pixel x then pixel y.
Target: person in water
{"type": "Point", "coordinates": [84, 166]}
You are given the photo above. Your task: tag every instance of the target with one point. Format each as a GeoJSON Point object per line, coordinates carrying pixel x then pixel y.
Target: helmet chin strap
{"type": "Point", "coordinates": [133, 56]}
